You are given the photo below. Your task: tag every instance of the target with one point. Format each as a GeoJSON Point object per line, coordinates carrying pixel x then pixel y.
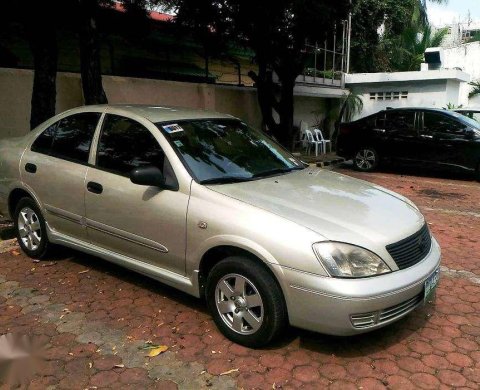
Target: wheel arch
{"type": "Point", "coordinates": [14, 197]}
{"type": "Point", "coordinates": [220, 252]}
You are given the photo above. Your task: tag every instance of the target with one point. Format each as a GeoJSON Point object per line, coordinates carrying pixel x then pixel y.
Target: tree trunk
{"type": "Point", "coordinates": [43, 43]}
{"type": "Point", "coordinates": [93, 92]}
{"type": "Point", "coordinates": [285, 131]}
{"type": "Point", "coordinates": [265, 95]}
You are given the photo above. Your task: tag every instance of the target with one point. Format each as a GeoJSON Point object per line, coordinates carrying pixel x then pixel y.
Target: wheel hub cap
{"type": "Point", "coordinates": [239, 304]}
{"type": "Point", "coordinates": [29, 229]}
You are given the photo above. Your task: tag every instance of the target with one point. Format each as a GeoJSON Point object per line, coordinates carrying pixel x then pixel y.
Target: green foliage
{"type": "Point", "coordinates": [379, 52]}
{"type": "Point", "coordinates": [411, 46]}
{"type": "Point", "coordinates": [352, 105]}
{"type": "Point", "coordinates": [475, 90]}
{"type": "Point", "coordinates": [452, 106]}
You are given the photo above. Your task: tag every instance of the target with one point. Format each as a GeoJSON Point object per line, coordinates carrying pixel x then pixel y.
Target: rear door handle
{"type": "Point", "coordinates": [426, 136]}
{"type": "Point", "coordinates": [96, 188]}
{"type": "Point", "coordinates": [31, 168]}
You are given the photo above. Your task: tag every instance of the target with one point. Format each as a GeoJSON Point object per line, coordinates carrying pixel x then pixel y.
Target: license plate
{"type": "Point", "coordinates": [431, 284]}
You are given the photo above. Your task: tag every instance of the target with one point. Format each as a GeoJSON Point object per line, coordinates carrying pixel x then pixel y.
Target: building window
{"type": "Point", "coordinates": [389, 95]}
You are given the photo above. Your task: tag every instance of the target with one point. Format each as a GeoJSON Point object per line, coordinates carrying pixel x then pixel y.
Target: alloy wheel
{"type": "Point", "coordinates": [239, 304]}
{"type": "Point", "coordinates": [365, 159]}
{"type": "Point", "coordinates": [29, 228]}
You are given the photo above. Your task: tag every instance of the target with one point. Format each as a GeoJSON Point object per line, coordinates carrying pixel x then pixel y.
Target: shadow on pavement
{"type": "Point", "coordinates": [416, 171]}
{"type": "Point", "coordinates": [352, 346]}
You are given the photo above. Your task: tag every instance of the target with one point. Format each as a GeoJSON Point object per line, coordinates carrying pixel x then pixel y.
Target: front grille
{"type": "Point", "coordinates": [367, 320]}
{"type": "Point", "coordinates": [411, 250]}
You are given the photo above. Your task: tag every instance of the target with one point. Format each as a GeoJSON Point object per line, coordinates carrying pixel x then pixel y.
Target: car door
{"type": "Point", "coordinates": [444, 139]}
{"type": "Point", "coordinates": [144, 223]}
{"type": "Point", "coordinates": [55, 167]}
{"type": "Point", "coordinates": [401, 135]}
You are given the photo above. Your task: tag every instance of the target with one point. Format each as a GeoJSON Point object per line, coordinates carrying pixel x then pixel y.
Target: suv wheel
{"type": "Point", "coordinates": [366, 159]}
{"type": "Point", "coordinates": [30, 229]}
{"type": "Point", "coordinates": [246, 302]}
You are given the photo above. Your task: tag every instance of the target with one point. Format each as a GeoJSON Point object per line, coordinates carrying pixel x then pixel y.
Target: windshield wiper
{"type": "Point", "coordinates": [225, 180]}
{"type": "Point", "coordinates": [272, 172]}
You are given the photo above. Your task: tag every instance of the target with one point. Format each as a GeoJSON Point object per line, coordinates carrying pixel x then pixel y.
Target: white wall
{"type": "Point", "coordinates": [431, 93]}
{"type": "Point", "coordinates": [467, 58]}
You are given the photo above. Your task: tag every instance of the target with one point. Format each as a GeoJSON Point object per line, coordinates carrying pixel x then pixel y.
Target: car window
{"type": "Point", "coordinates": [126, 144]}
{"type": "Point", "coordinates": [43, 143]}
{"type": "Point", "coordinates": [403, 121]}
{"type": "Point", "coordinates": [438, 123]}
{"type": "Point", "coordinates": [70, 138]}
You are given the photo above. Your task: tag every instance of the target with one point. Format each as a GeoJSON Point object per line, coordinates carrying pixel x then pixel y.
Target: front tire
{"type": "Point", "coordinates": [366, 159]}
{"type": "Point", "coordinates": [245, 301]}
{"type": "Point", "coordinates": [30, 229]}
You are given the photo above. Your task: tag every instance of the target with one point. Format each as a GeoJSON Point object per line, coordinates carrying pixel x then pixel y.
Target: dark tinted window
{"type": "Point", "coordinates": [73, 137]}
{"type": "Point", "coordinates": [438, 123]}
{"type": "Point", "coordinates": [126, 144]}
{"type": "Point", "coordinates": [43, 143]}
{"type": "Point", "coordinates": [401, 121]}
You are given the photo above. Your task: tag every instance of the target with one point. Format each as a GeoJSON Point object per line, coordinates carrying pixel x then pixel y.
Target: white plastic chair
{"type": "Point", "coordinates": [302, 135]}
{"type": "Point", "coordinates": [324, 142]}
{"type": "Point", "coordinates": [311, 140]}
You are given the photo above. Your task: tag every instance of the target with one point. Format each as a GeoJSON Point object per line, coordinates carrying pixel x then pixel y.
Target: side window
{"type": "Point", "coordinates": [403, 121]}
{"type": "Point", "coordinates": [74, 135]}
{"type": "Point", "coordinates": [126, 144]}
{"type": "Point", "coordinates": [380, 122]}
{"type": "Point", "coordinates": [43, 143]}
{"type": "Point", "coordinates": [438, 123]}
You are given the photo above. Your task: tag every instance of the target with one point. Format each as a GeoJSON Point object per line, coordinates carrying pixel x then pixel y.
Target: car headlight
{"type": "Point", "coordinates": [349, 261]}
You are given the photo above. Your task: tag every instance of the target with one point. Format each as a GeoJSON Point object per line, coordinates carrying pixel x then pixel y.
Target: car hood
{"type": "Point", "coordinates": [338, 207]}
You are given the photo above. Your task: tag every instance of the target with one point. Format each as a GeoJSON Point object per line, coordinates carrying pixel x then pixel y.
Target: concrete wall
{"type": "Point", "coordinates": [467, 58]}
{"type": "Point", "coordinates": [16, 90]}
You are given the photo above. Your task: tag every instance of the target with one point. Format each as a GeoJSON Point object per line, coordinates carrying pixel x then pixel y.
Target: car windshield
{"type": "Point", "coordinates": [468, 121]}
{"type": "Point", "coordinates": [226, 150]}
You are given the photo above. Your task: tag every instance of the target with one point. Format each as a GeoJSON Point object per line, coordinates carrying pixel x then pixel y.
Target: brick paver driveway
{"type": "Point", "coordinates": [93, 317]}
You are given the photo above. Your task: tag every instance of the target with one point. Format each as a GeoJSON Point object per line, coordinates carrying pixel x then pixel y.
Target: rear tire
{"type": "Point", "coordinates": [246, 302]}
{"type": "Point", "coordinates": [366, 159]}
{"type": "Point", "coordinates": [30, 229]}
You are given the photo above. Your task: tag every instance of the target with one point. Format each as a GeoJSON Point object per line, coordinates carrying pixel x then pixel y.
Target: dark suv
{"type": "Point", "coordinates": [416, 135]}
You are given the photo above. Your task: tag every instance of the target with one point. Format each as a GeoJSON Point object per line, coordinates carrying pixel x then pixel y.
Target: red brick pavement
{"type": "Point", "coordinates": [434, 347]}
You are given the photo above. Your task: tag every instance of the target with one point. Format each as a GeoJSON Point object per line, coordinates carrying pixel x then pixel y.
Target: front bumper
{"type": "Point", "coordinates": [346, 307]}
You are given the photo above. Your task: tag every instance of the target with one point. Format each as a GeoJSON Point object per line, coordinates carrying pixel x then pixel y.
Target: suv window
{"type": "Point", "coordinates": [403, 121]}
{"type": "Point", "coordinates": [438, 123]}
{"type": "Point", "coordinates": [70, 138]}
{"type": "Point", "coordinates": [125, 144]}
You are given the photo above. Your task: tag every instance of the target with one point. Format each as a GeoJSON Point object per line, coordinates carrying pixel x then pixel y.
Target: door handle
{"type": "Point", "coordinates": [379, 130]}
{"type": "Point", "coordinates": [426, 136]}
{"type": "Point", "coordinates": [96, 188]}
{"type": "Point", "coordinates": [31, 168]}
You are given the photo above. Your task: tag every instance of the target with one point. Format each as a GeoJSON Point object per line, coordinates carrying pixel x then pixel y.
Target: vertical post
{"type": "Point", "coordinates": [344, 25]}
{"type": "Point", "coordinates": [324, 60]}
{"type": "Point", "coordinates": [315, 63]}
{"type": "Point", "coordinates": [334, 51]}
{"type": "Point", "coordinates": [239, 73]}
{"type": "Point", "coordinates": [348, 40]}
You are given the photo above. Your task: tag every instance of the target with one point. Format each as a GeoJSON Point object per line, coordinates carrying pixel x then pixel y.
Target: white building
{"type": "Point", "coordinates": [433, 88]}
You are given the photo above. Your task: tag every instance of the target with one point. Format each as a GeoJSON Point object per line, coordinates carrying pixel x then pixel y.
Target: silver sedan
{"type": "Point", "coordinates": [203, 203]}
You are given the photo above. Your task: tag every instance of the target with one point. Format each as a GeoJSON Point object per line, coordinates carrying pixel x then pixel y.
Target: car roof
{"type": "Point", "coordinates": [416, 109]}
{"type": "Point", "coordinates": [467, 110]}
{"type": "Point", "coordinates": [156, 113]}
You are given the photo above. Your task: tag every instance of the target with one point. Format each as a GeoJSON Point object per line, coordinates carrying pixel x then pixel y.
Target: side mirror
{"type": "Point", "coordinates": [148, 176]}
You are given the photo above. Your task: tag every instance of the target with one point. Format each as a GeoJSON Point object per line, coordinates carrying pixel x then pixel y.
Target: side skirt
{"type": "Point", "coordinates": [182, 283]}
